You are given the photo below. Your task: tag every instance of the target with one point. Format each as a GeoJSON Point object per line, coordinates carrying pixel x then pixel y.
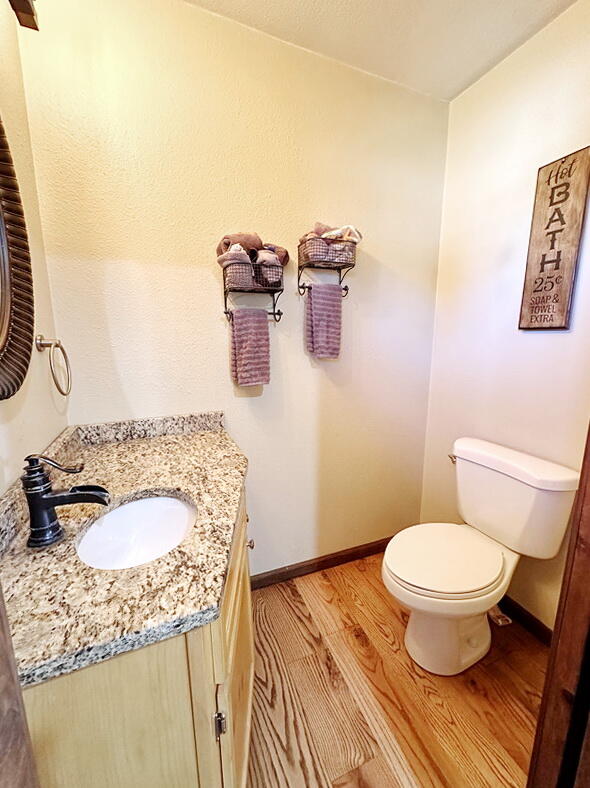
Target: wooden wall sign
{"type": "Point", "coordinates": [556, 230]}
{"type": "Point", "coordinates": [25, 13]}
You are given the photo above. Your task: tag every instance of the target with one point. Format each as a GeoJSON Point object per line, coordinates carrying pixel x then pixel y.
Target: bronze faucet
{"type": "Point", "coordinates": [42, 499]}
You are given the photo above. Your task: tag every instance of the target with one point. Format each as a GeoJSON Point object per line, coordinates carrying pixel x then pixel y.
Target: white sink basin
{"type": "Point", "coordinates": [136, 532]}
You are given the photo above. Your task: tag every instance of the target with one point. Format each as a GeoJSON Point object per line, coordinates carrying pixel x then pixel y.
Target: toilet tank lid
{"type": "Point", "coordinates": [542, 474]}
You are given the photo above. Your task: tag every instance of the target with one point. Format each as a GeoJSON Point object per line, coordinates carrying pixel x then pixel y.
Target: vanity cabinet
{"type": "Point", "coordinates": [174, 714]}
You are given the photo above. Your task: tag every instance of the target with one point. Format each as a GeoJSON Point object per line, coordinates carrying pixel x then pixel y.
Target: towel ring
{"type": "Point", "coordinates": [55, 344]}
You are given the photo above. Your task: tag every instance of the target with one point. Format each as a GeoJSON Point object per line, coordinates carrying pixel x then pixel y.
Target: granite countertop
{"type": "Point", "coordinates": [65, 615]}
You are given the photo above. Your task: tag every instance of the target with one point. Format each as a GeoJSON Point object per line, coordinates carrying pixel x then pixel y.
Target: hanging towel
{"type": "Point", "coordinates": [323, 320]}
{"type": "Point", "coordinates": [250, 347]}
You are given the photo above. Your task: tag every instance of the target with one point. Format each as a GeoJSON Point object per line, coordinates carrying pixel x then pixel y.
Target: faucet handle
{"type": "Point", "coordinates": [34, 461]}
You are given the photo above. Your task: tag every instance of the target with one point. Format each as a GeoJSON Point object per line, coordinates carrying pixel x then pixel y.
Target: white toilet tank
{"type": "Point", "coordinates": [521, 501]}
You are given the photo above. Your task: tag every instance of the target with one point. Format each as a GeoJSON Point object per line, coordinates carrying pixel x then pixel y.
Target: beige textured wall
{"type": "Point", "coordinates": [528, 390]}
{"type": "Point", "coordinates": [36, 414]}
{"type": "Point", "coordinates": [157, 127]}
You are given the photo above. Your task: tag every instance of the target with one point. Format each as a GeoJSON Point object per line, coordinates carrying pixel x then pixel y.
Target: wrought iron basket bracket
{"type": "Point", "coordinates": [275, 313]}
{"type": "Point", "coordinates": [342, 271]}
{"type": "Point", "coordinates": [254, 278]}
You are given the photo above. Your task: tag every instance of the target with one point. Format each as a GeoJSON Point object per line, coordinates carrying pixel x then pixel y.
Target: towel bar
{"type": "Point", "coordinates": [275, 313]}
{"type": "Point", "coordinates": [342, 271]}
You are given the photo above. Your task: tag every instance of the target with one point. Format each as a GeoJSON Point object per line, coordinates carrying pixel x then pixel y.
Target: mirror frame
{"type": "Point", "coordinates": [17, 316]}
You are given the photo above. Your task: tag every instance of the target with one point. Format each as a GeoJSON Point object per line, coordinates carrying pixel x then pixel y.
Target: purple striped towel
{"type": "Point", "coordinates": [323, 320]}
{"type": "Point", "coordinates": [250, 347]}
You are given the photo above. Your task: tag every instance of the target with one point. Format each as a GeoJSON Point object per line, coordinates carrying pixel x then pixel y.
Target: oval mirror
{"type": "Point", "coordinates": [16, 280]}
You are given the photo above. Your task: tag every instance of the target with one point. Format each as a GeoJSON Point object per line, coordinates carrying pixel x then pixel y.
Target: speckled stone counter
{"type": "Point", "coordinates": [65, 615]}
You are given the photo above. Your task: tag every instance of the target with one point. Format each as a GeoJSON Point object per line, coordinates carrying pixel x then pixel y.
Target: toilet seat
{"type": "Point", "coordinates": [445, 561]}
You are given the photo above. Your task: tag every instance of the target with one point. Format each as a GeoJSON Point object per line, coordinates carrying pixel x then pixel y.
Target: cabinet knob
{"type": "Point", "coordinates": [250, 543]}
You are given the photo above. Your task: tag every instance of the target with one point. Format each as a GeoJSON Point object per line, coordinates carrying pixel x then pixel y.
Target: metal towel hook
{"type": "Point", "coordinates": [55, 344]}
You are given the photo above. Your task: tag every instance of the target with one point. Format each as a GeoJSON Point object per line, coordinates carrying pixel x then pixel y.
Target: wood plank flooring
{"type": "Point", "coordinates": [339, 704]}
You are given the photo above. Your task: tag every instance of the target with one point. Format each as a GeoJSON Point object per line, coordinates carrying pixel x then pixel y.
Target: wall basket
{"type": "Point", "coordinates": [327, 254]}
{"type": "Point", "coordinates": [253, 278]}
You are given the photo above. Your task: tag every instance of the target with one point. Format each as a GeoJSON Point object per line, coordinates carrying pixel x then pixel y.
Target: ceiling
{"type": "Point", "coordinates": [437, 47]}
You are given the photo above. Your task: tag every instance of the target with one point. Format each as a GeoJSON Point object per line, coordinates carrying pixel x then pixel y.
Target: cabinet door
{"type": "Point", "coordinates": [124, 722]}
{"type": "Point", "coordinates": [223, 631]}
{"type": "Point", "coordinates": [234, 696]}
{"type": "Point", "coordinates": [17, 766]}
{"type": "Point", "coordinates": [204, 696]}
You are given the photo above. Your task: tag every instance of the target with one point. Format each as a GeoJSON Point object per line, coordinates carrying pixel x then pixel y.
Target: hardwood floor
{"type": "Point", "coordinates": [339, 704]}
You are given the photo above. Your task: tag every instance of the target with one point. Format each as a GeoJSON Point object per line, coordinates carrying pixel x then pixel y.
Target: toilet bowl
{"type": "Point", "coordinates": [449, 575]}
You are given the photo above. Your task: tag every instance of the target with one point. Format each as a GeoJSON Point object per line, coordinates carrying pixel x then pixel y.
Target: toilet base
{"type": "Point", "coordinates": [447, 646]}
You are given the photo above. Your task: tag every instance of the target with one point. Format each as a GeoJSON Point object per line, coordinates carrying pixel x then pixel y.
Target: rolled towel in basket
{"type": "Point", "coordinates": [271, 270]}
{"type": "Point", "coordinates": [267, 257]}
{"type": "Point", "coordinates": [250, 347]}
{"type": "Point", "coordinates": [323, 320]}
{"type": "Point", "coordinates": [281, 253]}
{"type": "Point", "coordinates": [238, 267]}
{"type": "Point", "coordinates": [345, 233]}
{"type": "Point", "coordinates": [246, 240]}
{"type": "Point", "coordinates": [319, 228]}
{"type": "Point", "coordinates": [235, 254]}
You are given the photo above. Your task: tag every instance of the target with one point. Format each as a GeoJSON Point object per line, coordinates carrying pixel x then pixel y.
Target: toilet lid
{"type": "Point", "coordinates": [446, 558]}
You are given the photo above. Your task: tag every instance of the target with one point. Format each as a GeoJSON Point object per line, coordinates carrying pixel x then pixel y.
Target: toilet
{"type": "Point", "coordinates": [448, 575]}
